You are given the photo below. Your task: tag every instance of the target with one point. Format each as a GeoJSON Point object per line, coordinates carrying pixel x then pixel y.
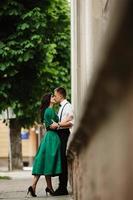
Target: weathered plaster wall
{"type": "Point", "coordinates": [100, 151]}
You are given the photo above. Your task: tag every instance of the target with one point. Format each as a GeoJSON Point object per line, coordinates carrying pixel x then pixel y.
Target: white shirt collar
{"type": "Point", "coordinates": [63, 102]}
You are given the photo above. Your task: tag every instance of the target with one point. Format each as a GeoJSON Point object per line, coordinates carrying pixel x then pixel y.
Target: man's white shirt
{"type": "Point", "coordinates": [67, 110]}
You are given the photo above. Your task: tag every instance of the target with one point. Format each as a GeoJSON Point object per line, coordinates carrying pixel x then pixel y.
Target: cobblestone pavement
{"type": "Point", "coordinates": [16, 188]}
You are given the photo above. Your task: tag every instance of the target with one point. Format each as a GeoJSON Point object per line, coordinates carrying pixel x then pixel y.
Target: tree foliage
{"type": "Point", "coordinates": [34, 53]}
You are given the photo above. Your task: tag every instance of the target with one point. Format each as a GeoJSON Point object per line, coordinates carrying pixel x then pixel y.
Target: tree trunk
{"type": "Point", "coordinates": [16, 145]}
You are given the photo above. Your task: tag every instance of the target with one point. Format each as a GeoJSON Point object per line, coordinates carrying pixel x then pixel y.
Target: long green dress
{"type": "Point", "coordinates": [48, 158]}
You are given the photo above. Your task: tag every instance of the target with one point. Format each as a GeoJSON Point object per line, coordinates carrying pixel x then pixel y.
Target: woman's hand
{"type": "Point", "coordinates": [54, 125]}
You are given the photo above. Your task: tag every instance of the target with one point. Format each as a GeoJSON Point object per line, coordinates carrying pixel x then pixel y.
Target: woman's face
{"type": "Point", "coordinates": [52, 100]}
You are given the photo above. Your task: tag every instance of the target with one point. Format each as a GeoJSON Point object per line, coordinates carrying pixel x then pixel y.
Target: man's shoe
{"type": "Point", "coordinates": [60, 192]}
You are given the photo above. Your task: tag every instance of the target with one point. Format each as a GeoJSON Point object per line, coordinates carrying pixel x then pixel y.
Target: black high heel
{"type": "Point", "coordinates": [50, 191]}
{"type": "Point", "coordinates": [31, 191]}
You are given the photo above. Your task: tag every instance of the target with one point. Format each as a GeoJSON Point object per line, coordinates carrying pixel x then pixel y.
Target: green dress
{"type": "Point", "coordinates": [48, 157]}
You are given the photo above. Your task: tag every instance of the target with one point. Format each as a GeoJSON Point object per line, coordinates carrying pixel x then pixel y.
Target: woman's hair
{"type": "Point", "coordinates": [44, 104]}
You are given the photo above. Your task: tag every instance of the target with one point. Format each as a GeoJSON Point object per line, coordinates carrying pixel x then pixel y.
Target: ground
{"type": "Point", "coordinates": [16, 187]}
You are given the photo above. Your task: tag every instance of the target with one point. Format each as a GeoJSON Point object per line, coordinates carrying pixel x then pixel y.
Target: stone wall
{"type": "Point", "coordinates": [100, 150]}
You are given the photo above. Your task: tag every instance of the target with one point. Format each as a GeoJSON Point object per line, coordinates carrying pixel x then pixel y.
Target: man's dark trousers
{"type": "Point", "coordinates": [63, 177]}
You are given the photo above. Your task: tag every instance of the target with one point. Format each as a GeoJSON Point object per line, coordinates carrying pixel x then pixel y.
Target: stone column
{"type": "Point", "coordinates": [81, 48]}
{"type": "Point", "coordinates": [88, 24]}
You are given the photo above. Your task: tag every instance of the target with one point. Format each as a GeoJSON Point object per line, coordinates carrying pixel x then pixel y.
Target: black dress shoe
{"type": "Point", "coordinates": [60, 192]}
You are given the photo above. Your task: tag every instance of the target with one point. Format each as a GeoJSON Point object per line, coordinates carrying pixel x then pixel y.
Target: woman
{"type": "Point", "coordinates": [48, 159]}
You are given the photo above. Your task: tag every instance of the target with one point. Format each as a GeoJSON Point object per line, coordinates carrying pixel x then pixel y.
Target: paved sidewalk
{"type": "Point", "coordinates": [16, 188]}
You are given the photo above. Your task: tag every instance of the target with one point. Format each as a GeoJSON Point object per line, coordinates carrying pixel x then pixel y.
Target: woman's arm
{"type": "Point", "coordinates": [54, 125]}
{"type": "Point", "coordinates": [49, 122]}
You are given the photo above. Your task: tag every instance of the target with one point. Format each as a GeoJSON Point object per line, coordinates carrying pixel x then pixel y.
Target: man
{"type": "Point", "coordinates": [65, 123]}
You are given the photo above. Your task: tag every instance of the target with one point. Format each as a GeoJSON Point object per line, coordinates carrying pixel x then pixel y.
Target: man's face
{"type": "Point", "coordinates": [57, 97]}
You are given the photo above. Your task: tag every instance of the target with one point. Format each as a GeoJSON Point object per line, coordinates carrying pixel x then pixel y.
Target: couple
{"type": "Point", "coordinates": [51, 159]}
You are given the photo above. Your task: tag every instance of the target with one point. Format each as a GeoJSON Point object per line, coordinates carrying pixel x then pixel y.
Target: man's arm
{"type": "Point", "coordinates": [67, 122]}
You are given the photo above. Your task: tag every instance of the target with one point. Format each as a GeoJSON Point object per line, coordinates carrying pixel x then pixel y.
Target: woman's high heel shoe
{"type": "Point", "coordinates": [50, 191]}
{"type": "Point", "coordinates": [31, 191]}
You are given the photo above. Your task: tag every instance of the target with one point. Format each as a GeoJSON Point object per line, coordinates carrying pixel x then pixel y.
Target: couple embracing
{"type": "Point", "coordinates": [50, 159]}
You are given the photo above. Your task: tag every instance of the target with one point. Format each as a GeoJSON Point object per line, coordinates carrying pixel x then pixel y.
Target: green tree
{"type": "Point", "coordinates": [34, 59]}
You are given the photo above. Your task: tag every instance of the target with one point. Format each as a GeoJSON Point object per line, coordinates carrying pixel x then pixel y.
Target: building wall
{"type": "Point", "coordinates": [29, 146]}
{"type": "Point", "coordinates": [100, 151]}
{"type": "Point", "coordinates": [3, 144]}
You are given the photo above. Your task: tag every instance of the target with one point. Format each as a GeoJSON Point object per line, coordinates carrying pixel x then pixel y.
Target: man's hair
{"type": "Point", "coordinates": [62, 91]}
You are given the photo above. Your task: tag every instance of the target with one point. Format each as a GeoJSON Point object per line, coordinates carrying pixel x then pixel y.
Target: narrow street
{"type": "Point", "coordinates": [16, 187]}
